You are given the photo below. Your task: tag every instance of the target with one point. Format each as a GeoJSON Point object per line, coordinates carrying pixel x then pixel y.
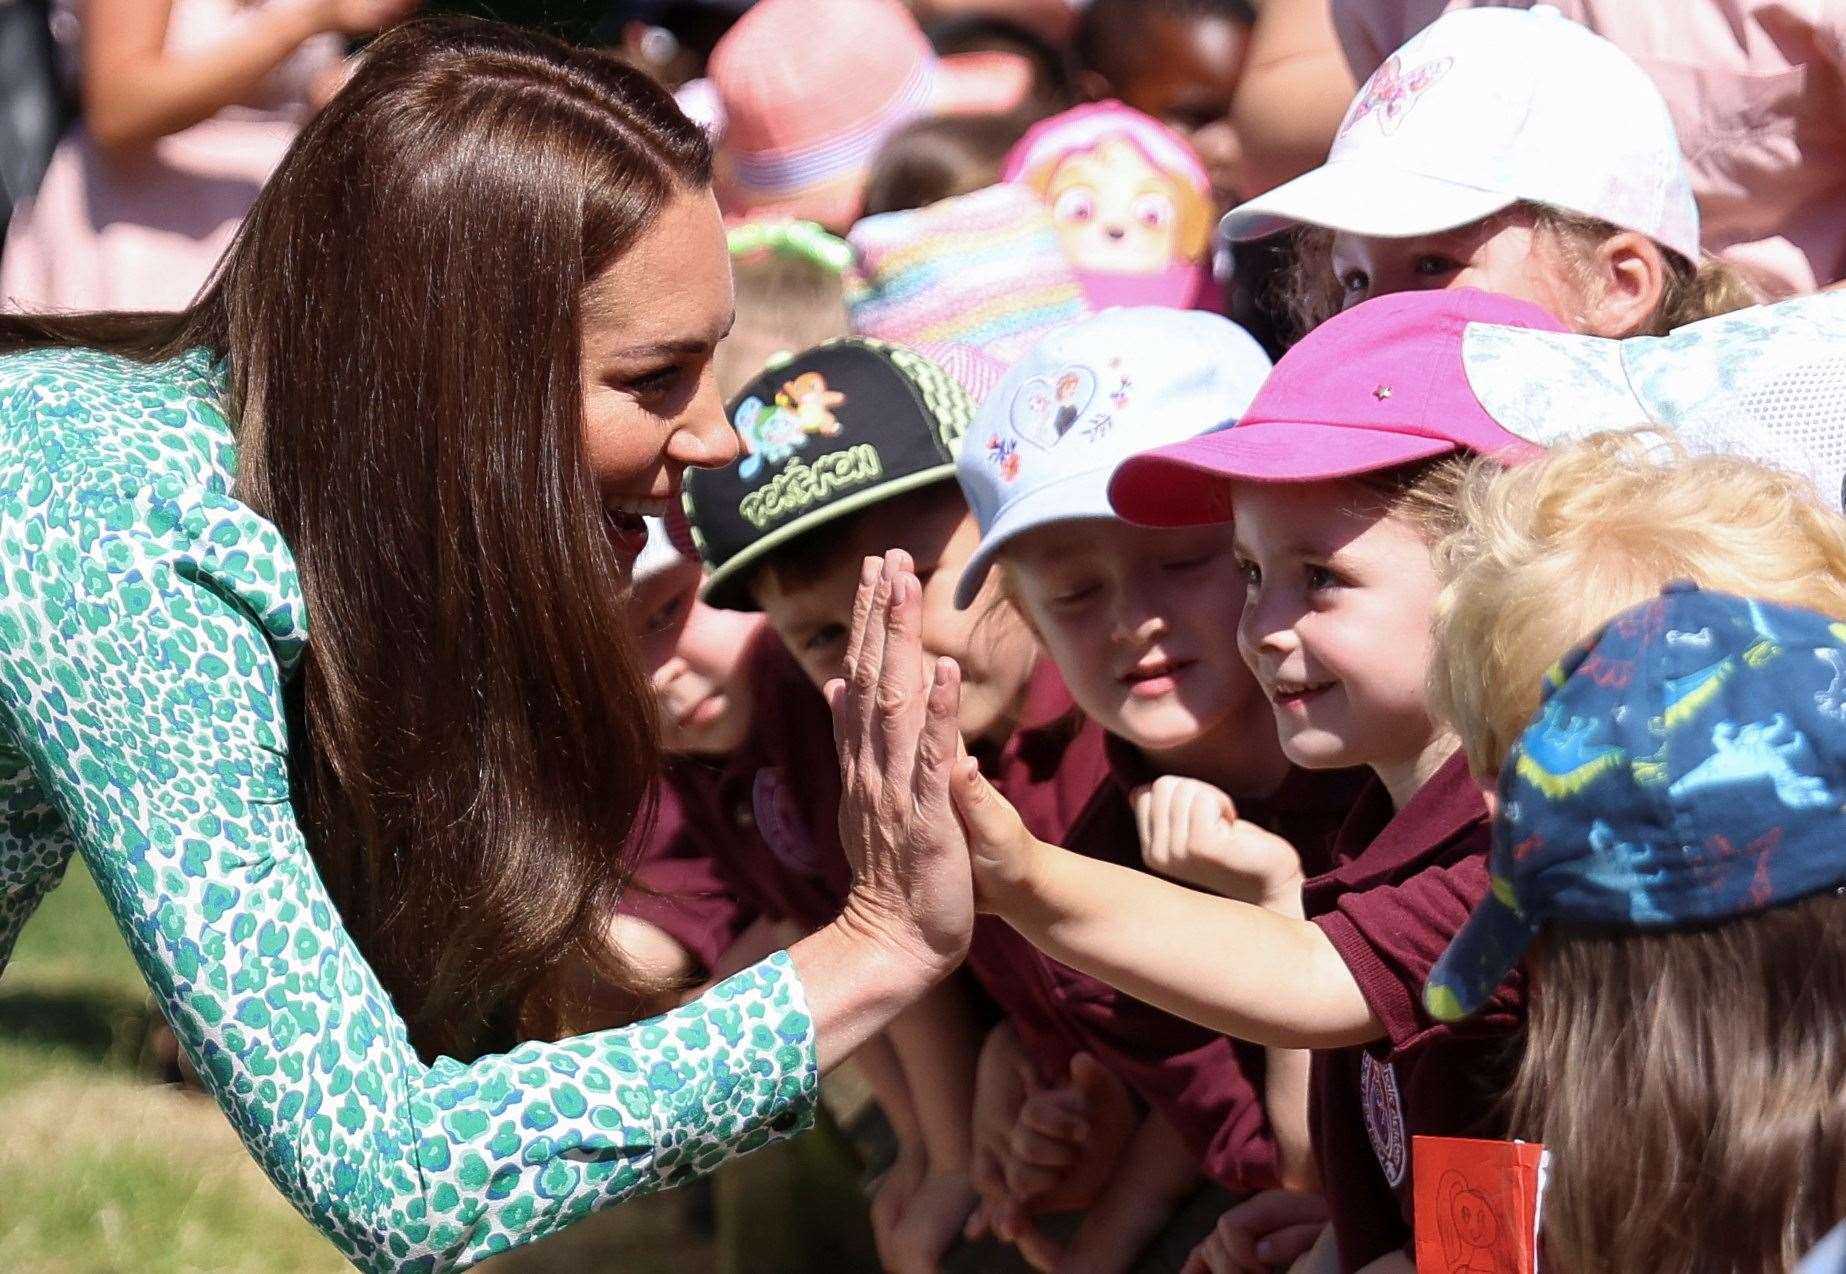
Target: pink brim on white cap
{"type": "Point", "coordinates": [1187, 483]}
{"type": "Point", "coordinates": [1361, 198]}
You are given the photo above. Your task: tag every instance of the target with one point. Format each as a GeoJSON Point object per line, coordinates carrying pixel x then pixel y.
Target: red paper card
{"type": "Point", "coordinates": [1477, 1205]}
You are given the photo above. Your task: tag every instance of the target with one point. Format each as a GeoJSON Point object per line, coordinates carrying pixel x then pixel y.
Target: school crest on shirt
{"type": "Point", "coordinates": [1384, 1117]}
{"type": "Point", "coordinates": [778, 822]}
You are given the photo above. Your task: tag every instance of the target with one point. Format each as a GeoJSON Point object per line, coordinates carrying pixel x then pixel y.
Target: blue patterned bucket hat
{"type": "Point", "coordinates": [1687, 764]}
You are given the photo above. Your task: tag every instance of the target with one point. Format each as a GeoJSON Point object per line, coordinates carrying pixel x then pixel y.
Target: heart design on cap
{"type": "Point", "coordinates": [1045, 407]}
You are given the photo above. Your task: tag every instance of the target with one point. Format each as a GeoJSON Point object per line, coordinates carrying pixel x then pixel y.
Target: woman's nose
{"type": "Point", "coordinates": [703, 437]}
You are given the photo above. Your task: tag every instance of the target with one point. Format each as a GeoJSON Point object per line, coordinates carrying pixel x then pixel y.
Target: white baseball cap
{"type": "Point", "coordinates": [1086, 397]}
{"type": "Point", "coordinates": [1485, 108]}
{"type": "Point", "coordinates": [1767, 383]}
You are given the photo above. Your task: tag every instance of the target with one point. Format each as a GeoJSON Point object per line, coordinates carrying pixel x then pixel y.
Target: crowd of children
{"type": "Point", "coordinates": [1379, 751]}
{"type": "Point", "coordinates": [1263, 711]}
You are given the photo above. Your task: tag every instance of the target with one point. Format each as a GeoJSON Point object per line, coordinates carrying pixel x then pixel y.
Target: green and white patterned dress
{"type": "Point", "coordinates": [147, 623]}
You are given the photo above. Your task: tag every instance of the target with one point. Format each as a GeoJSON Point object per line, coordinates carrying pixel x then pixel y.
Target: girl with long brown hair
{"type": "Point", "coordinates": [309, 600]}
{"type": "Point", "coordinates": [1684, 1061]}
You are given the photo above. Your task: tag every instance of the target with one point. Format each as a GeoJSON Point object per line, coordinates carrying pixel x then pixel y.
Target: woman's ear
{"type": "Point", "coordinates": [1628, 277]}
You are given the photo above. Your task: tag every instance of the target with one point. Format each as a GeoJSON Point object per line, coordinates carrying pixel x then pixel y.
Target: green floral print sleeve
{"type": "Point", "coordinates": [147, 622]}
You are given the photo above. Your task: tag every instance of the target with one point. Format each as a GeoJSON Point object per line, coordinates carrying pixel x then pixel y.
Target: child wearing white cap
{"type": "Point", "coordinates": [1136, 620]}
{"type": "Point", "coordinates": [1513, 151]}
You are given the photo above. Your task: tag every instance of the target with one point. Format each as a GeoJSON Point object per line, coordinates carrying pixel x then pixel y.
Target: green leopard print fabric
{"type": "Point", "coordinates": [147, 623]}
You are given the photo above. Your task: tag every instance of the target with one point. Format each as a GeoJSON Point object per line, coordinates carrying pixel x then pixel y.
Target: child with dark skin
{"type": "Point", "coordinates": [1179, 61]}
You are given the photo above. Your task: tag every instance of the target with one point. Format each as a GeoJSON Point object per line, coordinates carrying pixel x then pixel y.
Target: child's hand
{"type": "Point", "coordinates": [1267, 1231]}
{"type": "Point", "coordinates": [1002, 1079]}
{"type": "Point", "coordinates": [1190, 831]}
{"type": "Point", "coordinates": [1068, 1140]}
{"type": "Point", "coordinates": [931, 1222]}
{"type": "Point", "coordinates": [892, 1192]}
{"type": "Point", "coordinates": [1005, 854]}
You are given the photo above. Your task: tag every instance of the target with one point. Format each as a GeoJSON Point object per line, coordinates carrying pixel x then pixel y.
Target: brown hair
{"type": "Point", "coordinates": [401, 311]}
{"type": "Point", "coordinates": [1549, 551]}
{"type": "Point", "coordinates": [938, 158]}
{"type": "Point", "coordinates": [786, 303]}
{"type": "Point", "coordinates": [1311, 293]}
{"type": "Point", "coordinates": [1691, 1087]}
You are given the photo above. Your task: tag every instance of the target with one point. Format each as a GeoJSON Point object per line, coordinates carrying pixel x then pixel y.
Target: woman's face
{"type": "Point", "coordinates": [650, 401]}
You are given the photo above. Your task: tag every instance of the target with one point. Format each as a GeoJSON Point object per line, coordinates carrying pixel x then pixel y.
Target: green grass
{"type": "Point", "coordinates": [102, 1171]}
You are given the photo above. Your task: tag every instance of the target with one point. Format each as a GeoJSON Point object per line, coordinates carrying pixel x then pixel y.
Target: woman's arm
{"type": "Point", "coordinates": [149, 621]}
{"type": "Point", "coordinates": [1293, 93]}
{"type": "Point", "coordinates": [135, 92]}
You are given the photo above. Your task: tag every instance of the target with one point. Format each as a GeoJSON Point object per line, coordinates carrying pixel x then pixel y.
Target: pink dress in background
{"type": "Point", "coordinates": [1757, 89]}
{"type": "Point", "coordinates": [143, 232]}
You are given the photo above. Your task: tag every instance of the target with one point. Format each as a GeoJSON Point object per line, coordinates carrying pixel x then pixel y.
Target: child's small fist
{"type": "Point", "coordinates": [1190, 830]}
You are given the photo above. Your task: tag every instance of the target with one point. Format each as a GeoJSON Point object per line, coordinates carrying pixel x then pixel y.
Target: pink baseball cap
{"type": "Point", "coordinates": [1381, 385]}
{"type": "Point", "coordinates": [810, 90]}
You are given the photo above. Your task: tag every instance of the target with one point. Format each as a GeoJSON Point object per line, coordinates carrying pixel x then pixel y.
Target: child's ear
{"type": "Point", "coordinates": [1629, 278]}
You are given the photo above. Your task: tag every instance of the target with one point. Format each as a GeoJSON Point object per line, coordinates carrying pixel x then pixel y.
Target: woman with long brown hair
{"type": "Point", "coordinates": [310, 600]}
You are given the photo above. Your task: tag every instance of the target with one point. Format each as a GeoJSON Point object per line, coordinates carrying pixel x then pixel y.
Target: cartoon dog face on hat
{"type": "Point", "coordinates": [1117, 210]}
{"type": "Point", "coordinates": [1130, 201]}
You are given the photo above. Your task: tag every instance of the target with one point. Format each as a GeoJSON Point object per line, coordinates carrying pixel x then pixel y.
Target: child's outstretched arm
{"type": "Point", "coordinates": [1228, 965]}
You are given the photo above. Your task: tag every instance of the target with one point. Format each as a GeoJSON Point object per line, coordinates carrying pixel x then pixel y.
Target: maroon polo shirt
{"type": "Point", "coordinates": [1401, 888]}
{"type": "Point", "coordinates": [754, 833]}
{"type": "Point", "coordinates": [1071, 784]}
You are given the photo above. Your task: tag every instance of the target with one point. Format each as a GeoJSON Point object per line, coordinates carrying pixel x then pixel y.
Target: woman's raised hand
{"type": "Point", "coordinates": [894, 719]}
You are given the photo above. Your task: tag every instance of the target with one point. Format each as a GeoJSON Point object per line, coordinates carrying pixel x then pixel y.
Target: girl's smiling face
{"type": "Point", "coordinates": [1136, 620]}
{"type": "Point", "coordinates": [698, 658]}
{"type": "Point", "coordinates": [1336, 627]}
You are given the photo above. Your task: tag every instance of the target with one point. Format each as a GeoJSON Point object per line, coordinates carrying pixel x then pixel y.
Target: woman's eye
{"type": "Point", "coordinates": [656, 381]}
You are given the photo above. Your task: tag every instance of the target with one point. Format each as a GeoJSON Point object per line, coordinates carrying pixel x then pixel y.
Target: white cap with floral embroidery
{"type": "Point", "coordinates": [1483, 109]}
{"type": "Point", "coordinates": [1085, 398]}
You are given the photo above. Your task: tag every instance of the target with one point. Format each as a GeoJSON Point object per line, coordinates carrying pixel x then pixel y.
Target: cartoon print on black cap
{"type": "Point", "coordinates": [772, 432]}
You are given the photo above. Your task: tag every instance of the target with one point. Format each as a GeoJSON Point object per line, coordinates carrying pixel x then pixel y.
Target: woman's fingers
{"type": "Point", "coordinates": [901, 701]}
{"type": "Point", "coordinates": [940, 745]}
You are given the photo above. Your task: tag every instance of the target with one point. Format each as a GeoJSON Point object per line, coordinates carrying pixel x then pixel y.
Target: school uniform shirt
{"type": "Point", "coordinates": [1071, 783]}
{"type": "Point", "coordinates": [754, 833]}
{"type": "Point", "coordinates": [1400, 889]}
{"type": "Point", "coordinates": [1757, 91]}
{"type": "Point", "coordinates": [149, 622]}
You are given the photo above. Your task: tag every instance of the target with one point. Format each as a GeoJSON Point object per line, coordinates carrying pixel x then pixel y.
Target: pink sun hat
{"type": "Point", "coordinates": [808, 92]}
{"type": "Point", "coordinates": [1382, 385]}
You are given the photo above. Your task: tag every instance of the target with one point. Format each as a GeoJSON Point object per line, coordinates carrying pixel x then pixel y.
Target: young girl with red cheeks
{"type": "Point", "coordinates": [1133, 619]}
{"type": "Point", "coordinates": [1338, 480]}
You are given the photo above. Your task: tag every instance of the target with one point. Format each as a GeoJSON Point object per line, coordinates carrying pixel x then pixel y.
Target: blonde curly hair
{"type": "Point", "coordinates": [1550, 551]}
